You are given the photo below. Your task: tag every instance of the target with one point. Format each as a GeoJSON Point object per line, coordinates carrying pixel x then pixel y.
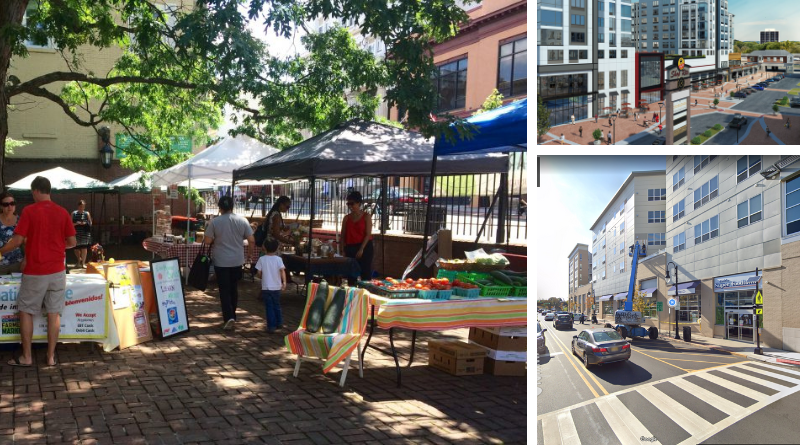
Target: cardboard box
{"type": "Point", "coordinates": [497, 367]}
{"type": "Point", "coordinates": [456, 357]}
{"type": "Point", "coordinates": [498, 342]}
{"type": "Point", "coordinates": [509, 331]}
{"type": "Point", "coordinates": [507, 356]}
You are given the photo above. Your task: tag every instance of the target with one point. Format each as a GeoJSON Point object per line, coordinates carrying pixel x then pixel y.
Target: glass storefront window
{"type": "Point", "coordinates": [742, 299]}
{"type": "Point", "coordinates": [690, 308]}
{"type": "Point", "coordinates": [608, 308]}
{"type": "Point", "coordinates": [562, 109]}
{"type": "Point", "coordinates": [649, 307]}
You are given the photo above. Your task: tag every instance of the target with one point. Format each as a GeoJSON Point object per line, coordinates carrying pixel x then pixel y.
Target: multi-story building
{"type": "Point", "coordinates": [580, 272]}
{"type": "Point", "coordinates": [616, 64]}
{"type": "Point", "coordinates": [701, 31]}
{"type": "Point", "coordinates": [770, 59]}
{"type": "Point", "coordinates": [566, 58]}
{"type": "Point", "coordinates": [637, 212]}
{"type": "Point", "coordinates": [730, 216]}
{"type": "Point", "coordinates": [770, 35]}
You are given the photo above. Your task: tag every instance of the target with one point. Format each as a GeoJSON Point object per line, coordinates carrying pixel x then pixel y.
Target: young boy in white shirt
{"type": "Point", "coordinates": [272, 273]}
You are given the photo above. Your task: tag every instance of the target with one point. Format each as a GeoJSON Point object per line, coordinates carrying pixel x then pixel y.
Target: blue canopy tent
{"type": "Point", "coordinates": [501, 130]}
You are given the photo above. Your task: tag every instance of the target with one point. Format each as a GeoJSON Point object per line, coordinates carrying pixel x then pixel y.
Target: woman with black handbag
{"type": "Point", "coordinates": [225, 234]}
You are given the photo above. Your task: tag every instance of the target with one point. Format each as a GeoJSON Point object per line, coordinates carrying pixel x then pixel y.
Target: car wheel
{"type": "Point", "coordinates": [573, 350]}
{"type": "Point", "coordinates": [585, 360]}
{"type": "Point", "coordinates": [653, 331]}
{"type": "Point", "coordinates": [623, 331]}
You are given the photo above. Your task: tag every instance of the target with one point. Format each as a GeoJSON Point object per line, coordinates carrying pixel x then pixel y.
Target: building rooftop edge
{"type": "Point", "coordinates": [577, 246]}
{"type": "Point", "coordinates": [625, 184]}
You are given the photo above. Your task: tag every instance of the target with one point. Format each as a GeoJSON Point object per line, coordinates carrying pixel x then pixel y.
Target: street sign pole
{"type": "Point", "coordinates": [758, 350]}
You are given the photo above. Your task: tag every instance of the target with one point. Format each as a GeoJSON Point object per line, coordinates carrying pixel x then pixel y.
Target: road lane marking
{"type": "Point", "coordinates": [550, 431]}
{"type": "Point", "coordinates": [559, 344]}
{"type": "Point", "coordinates": [591, 376]}
{"type": "Point", "coordinates": [624, 424]}
{"type": "Point", "coordinates": [735, 387]}
{"type": "Point", "coordinates": [684, 417]}
{"type": "Point", "coordinates": [550, 354]}
{"type": "Point", "coordinates": [662, 361]}
{"type": "Point", "coordinates": [569, 434]}
{"type": "Point", "coordinates": [777, 368]}
{"type": "Point", "coordinates": [684, 353]}
{"type": "Point", "coordinates": [699, 361]}
{"type": "Point", "coordinates": [774, 375]}
{"type": "Point", "coordinates": [756, 380]}
{"type": "Point", "coordinates": [718, 402]}
{"type": "Point", "coordinates": [715, 367]}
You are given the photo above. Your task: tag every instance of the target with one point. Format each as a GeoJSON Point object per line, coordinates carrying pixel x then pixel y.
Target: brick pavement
{"type": "Point", "coordinates": [215, 386]}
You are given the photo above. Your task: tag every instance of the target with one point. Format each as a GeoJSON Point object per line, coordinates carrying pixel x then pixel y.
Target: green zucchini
{"type": "Point", "coordinates": [503, 278]}
{"type": "Point", "coordinates": [512, 273]}
{"type": "Point", "coordinates": [333, 316]}
{"type": "Point", "coordinates": [317, 309]}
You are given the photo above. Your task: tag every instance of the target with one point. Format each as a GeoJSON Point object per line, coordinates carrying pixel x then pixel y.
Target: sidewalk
{"type": "Point", "coordinates": [743, 349]}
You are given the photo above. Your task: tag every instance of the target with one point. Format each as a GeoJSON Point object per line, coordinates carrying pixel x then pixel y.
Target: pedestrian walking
{"type": "Point", "coordinates": [788, 124]}
{"type": "Point", "coordinates": [655, 116]}
{"type": "Point", "coordinates": [272, 273]}
{"type": "Point", "coordinates": [582, 318]}
{"type": "Point", "coordinates": [609, 137]}
{"type": "Point", "coordinates": [768, 131]}
{"type": "Point", "coordinates": [595, 118]}
{"type": "Point", "coordinates": [572, 118]}
{"type": "Point", "coordinates": [695, 102]}
{"type": "Point", "coordinates": [562, 138]}
{"type": "Point", "coordinates": [659, 129]}
{"type": "Point", "coordinates": [635, 117]}
{"type": "Point", "coordinates": [47, 231]}
{"type": "Point", "coordinates": [580, 131]}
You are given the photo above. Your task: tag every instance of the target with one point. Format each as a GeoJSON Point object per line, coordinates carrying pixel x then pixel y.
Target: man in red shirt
{"type": "Point", "coordinates": [46, 230]}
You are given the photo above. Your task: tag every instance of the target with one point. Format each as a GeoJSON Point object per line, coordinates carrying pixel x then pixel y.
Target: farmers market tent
{"type": "Point", "coordinates": [363, 148]}
{"type": "Point", "coordinates": [61, 181]}
{"type": "Point", "coordinates": [138, 182]}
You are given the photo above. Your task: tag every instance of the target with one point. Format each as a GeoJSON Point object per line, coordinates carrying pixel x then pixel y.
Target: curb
{"type": "Point", "coordinates": [788, 362]}
{"type": "Point", "coordinates": [713, 348]}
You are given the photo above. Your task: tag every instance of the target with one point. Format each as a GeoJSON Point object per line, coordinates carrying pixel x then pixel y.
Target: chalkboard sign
{"type": "Point", "coordinates": [169, 297]}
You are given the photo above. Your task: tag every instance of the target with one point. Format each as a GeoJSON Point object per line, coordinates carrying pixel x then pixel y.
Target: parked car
{"type": "Point", "coordinates": [795, 102]}
{"type": "Point", "coordinates": [398, 199]}
{"type": "Point", "coordinates": [738, 121]}
{"type": "Point", "coordinates": [763, 84]}
{"type": "Point", "coordinates": [563, 321]}
{"type": "Point", "coordinates": [600, 346]}
{"type": "Point", "coordinates": [740, 95]}
{"type": "Point", "coordinates": [540, 341]}
{"type": "Point", "coordinates": [757, 87]}
{"type": "Point", "coordinates": [749, 90]}
{"type": "Point", "coordinates": [549, 316]}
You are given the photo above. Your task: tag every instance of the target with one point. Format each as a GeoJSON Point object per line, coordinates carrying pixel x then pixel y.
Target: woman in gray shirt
{"type": "Point", "coordinates": [225, 233]}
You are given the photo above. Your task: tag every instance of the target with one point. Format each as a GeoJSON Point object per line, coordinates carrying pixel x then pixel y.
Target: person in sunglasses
{"type": "Point", "coordinates": [357, 236]}
{"type": "Point", "coordinates": [14, 260]}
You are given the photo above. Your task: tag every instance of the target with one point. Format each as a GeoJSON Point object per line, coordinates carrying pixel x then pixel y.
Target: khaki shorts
{"type": "Point", "coordinates": [36, 290]}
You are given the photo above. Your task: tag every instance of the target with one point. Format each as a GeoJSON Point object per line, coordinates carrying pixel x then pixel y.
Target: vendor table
{"type": "Point", "coordinates": [86, 316]}
{"type": "Point", "coordinates": [439, 315]}
{"type": "Point", "coordinates": [337, 266]}
{"type": "Point", "coordinates": [186, 253]}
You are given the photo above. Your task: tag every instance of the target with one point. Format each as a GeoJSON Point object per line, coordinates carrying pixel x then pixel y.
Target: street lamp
{"type": "Point", "coordinates": [670, 282]}
{"type": "Point", "coordinates": [106, 152]}
{"type": "Point", "coordinates": [613, 118]}
{"type": "Point", "coordinates": [660, 106]}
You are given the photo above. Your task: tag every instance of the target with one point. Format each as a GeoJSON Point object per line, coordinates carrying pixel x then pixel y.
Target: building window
{"type": "Point", "coordinates": [622, 247]}
{"type": "Point", "coordinates": [612, 54]}
{"type": "Point", "coordinates": [749, 211]}
{"type": "Point", "coordinates": [689, 309]}
{"type": "Point", "coordinates": [793, 206]}
{"type": "Point", "coordinates": [700, 161]}
{"type": "Point", "coordinates": [678, 211]}
{"type": "Point", "coordinates": [601, 54]}
{"type": "Point", "coordinates": [706, 192]}
{"type": "Point", "coordinates": [656, 216]}
{"type": "Point", "coordinates": [578, 3]}
{"type": "Point", "coordinates": [550, 18]}
{"type": "Point", "coordinates": [649, 307]}
{"type": "Point", "coordinates": [706, 230]}
{"type": "Point", "coordinates": [512, 73]}
{"type": "Point", "coordinates": [656, 239]}
{"type": "Point", "coordinates": [679, 243]}
{"type": "Point", "coordinates": [624, 80]}
{"type": "Point", "coordinates": [604, 275]}
{"type": "Point", "coordinates": [550, 37]}
{"type": "Point", "coordinates": [577, 37]}
{"type": "Point", "coordinates": [656, 194]}
{"type": "Point", "coordinates": [678, 178]}
{"type": "Point", "coordinates": [745, 169]}
{"type": "Point", "coordinates": [732, 300]}
{"type": "Point", "coordinates": [29, 11]}
{"type": "Point", "coordinates": [451, 83]}
{"type": "Point", "coordinates": [622, 266]}
{"type": "Point", "coordinates": [622, 227]}
{"type": "Point", "coordinates": [578, 19]}
{"type": "Point", "coordinates": [624, 53]}
{"type": "Point", "coordinates": [601, 80]}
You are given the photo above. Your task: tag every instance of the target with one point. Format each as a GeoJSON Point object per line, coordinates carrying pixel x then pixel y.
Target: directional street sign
{"type": "Point", "coordinates": [659, 306]}
{"type": "Point", "coordinates": [759, 299]}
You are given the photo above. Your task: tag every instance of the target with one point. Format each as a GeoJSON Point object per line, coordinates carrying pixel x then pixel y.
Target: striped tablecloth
{"type": "Point", "coordinates": [185, 253]}
{"type": "Point", "coordinates": [428, 315]}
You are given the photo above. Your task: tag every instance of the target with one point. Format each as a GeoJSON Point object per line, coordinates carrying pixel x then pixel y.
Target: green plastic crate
{"type": "Point", "coordinates": [519, 291]}
{"type": "Point", "coordinates": [491, 291]}
{"type": "Point", "coordinates": [449, 274]}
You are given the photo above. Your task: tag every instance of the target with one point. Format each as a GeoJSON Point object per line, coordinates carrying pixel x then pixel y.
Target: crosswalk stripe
{"type": "Point", "coordinates": [624, 424]}
{"type": "Point", "coordinates": [776, 376]}
{"type": "Point", "coordinates": [691, 422]}
{"type": "Point", "coordinates": [550, 431]}
{"type": "Point", "coordinates": [569, 435]}
{"type": "Point", "coordinates": [720, 403]}
{"type": "Point", "coordinates": [735, 387]}
{"type": "Point", "coordinates": [778, 368]}
{"type": "Point", "coordinates": [755, 380]}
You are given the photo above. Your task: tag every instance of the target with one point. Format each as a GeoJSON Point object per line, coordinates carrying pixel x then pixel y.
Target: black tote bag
{"type": "Point", "coordinates": [198, 274]}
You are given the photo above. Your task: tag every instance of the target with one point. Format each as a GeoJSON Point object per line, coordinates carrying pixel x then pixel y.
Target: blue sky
{"type": "Point", "coordinates": [574, 191]}
{"type": "Point", "coordinates": [750, 18]}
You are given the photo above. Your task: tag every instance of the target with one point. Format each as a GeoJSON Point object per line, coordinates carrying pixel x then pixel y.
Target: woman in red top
{"type": "Point", "coordinates": [357, 236]}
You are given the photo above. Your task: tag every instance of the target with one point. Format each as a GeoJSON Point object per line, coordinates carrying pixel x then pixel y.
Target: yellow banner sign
{"type": "Point", "coordinates": [735, 56]}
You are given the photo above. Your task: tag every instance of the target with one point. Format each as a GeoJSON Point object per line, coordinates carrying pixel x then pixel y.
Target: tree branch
{"type": "Point", "coordinates": [62, 76]}
{"type": "Point", "coordinates": [41, 92]}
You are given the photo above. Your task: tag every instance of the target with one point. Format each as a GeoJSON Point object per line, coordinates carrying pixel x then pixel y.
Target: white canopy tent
{"type": "Point", "coordinates": [61, 181]}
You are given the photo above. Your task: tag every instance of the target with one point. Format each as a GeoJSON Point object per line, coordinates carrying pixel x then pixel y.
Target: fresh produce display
{"type": "Point", "coordinates": [463, 285]}
{"type": "Point", "coordinates": [411, 284]}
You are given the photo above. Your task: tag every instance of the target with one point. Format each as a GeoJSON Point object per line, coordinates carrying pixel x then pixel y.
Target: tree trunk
{"type": "Point", "coordinates": [11, 12]}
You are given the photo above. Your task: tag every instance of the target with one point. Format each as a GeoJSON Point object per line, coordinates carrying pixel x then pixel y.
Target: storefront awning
{"type": "Point", "coordinates": [685, 288]}
{"type": "Point", "coordinates": [614, 93]}
{"type": "Point", "coordinates": [601, 95]}
{"type": "Point", "coordinates": [605, 298]}
{"type": "Point", "coordinates": [649, 292]}
{"type": "Point", "coordinates": [621, 296]}
{"type": "Point", "coordinates": [626, 92]}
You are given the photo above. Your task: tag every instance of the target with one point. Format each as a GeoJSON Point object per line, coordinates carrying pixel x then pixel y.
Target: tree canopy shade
{"type": "Point", "coordinates": [364, 148]}
{"type": "Point", "coordinates": [179, 65]}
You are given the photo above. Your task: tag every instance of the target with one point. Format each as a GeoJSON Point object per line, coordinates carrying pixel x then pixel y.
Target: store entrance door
{"type": "Point", "coordinates": [739, 325]}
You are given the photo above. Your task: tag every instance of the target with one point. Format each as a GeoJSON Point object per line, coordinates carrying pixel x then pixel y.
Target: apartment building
{"type": "Point", "coordinates": [776, 60]}
{"type": "Point", "coordinates": [616, 64]}
{"type": "Point", "coordinates": [580, 274]}
{"type": "Point", "coordinates": [637, 212]}
{"type": "Point", "coordinates": [567, 58]}
{"type": "Point", "coordinates": [769, 35]}
{"type": "Point", "coordinates": [700, 31]}
{"type": "Point", "coordinates": [728, 216]}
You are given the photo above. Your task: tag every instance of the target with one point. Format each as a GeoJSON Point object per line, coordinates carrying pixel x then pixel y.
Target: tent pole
{"type": "Point", "coordinates": [428, 209]}
{"type": "Point", "coordinates": [384, 221]}
{"type": "Point", "coordinates": [188, 223]}
{"type": "Point", "coordinates": [119, 217]}
{"type": "Point", "coordinates": [312, 183]}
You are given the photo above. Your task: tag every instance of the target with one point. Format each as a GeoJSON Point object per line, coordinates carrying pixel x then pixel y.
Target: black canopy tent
{"type": "Point", "coordinates": [362, 148]}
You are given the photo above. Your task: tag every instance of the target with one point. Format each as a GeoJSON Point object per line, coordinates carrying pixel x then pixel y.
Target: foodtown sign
{"type": "Point", "coordinates": [736, 282]}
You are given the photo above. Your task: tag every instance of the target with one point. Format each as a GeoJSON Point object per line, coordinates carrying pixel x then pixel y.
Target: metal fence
{"type": "Point", "coordinates": [474, 207]}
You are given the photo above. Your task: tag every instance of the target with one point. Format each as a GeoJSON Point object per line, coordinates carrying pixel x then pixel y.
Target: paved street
{"type": "Point", "coordinates": [668, 392]}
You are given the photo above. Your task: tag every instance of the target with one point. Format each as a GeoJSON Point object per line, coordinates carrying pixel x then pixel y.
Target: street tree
{"type": "Point", "coordinates": [179, 66]}
{"type": "Point", "coordinates": [494, 100]}
{"type": "Point", "coordinates": [542, 118]}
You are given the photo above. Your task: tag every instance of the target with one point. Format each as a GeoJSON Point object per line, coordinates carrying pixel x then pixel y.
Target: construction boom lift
{"type": "Point", "coordinates": [629, 322]}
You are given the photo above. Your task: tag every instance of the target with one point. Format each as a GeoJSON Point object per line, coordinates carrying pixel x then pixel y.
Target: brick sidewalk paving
{"type": "Point", "coordinates": [215, 386]}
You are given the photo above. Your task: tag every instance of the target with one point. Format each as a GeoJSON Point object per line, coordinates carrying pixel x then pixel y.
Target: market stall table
{"type": "Point", "coordinates": [86, 316]}
{"type": "Point", "coordinates": [438, 315]}
{"type": "Point", "coordinates": [336, 266]}
{"type": "Point", "coordinates": [186, 253]}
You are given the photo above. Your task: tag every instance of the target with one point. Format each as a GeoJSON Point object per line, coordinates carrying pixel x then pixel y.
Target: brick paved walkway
{"type": "Point", "coordinates": [215, 386]}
